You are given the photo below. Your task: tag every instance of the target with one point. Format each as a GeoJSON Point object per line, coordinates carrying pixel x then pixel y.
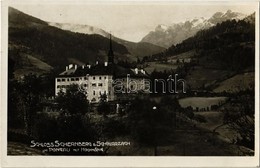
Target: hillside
{"type": "Point", "coordinates": [138, 50]}
{"type": "Point", "coordinates": [217, 53]}
{"type": "Point", "coordinates": [141, 49]}
{"type": "Point", "coordinates": [236, 83]}
{"type": "Point", "coordinates": [167, 35]}
{"type": "Point", "coordinates": [54, 47]}
{"type": "Point", "coordinates": [250, 18]}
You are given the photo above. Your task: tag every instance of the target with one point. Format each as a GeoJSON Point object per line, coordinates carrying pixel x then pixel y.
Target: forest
{"type": "Point", "coordinates": [228, 45]}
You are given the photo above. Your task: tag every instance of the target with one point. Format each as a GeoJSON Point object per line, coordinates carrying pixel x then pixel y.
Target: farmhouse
{"type": "Point", "coordinates": [103, 78]}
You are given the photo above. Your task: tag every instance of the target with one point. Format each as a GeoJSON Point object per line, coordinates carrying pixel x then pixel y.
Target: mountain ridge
{"type": "Point", "coordinates": [212, 55]}
{"type": "Point", "coordinates": [53, 47]}
{"type": "Point", "coordinates": [177, 32]}
{"type": "Point", "coordinates": [138, 49]}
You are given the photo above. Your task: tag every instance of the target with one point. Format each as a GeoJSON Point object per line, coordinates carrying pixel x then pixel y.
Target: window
{"type": "Point", "coordinates": [58, 80]}
{"type": "Point", "coordinates": [68, 79]}
{"type": "Point", "coordinates": [72, 79]}
{"type": "Point", "coordinates": [94, 78]}
{"type": "Point", "coordinates": [85, 78]}
{"type": "Point", "coordinates": [108, 92]}
{"type": "Point", "coordinates": [105, 77]}
{"type": "Point", "coordinates": [85, 85]}
{"type": "Point", "coordinates": [63, 80]}
{"type": "Point", "coordinates": [100, 78]}
{"type": "Point", "coordinates": [77, 79]}
{"type": "Point", "coordinates": [94, 84]}
{"type": "Point", "coordinates": [94, 92]}
{"type": "Point", "coordinates": [100, 84]}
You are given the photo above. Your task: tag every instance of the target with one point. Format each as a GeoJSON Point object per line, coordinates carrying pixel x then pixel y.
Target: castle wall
{"type": "Point", "coordinates": [93, 86]}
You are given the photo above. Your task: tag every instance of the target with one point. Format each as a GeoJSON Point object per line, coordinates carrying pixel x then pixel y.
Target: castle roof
{"type": "Point", "coordinates": [114, 70]}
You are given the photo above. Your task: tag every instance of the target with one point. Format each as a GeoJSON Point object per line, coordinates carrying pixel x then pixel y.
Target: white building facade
{"type": "Point", "coordinates": [92, 85]}
{"type": "Point", "coordinates": [95, 83]}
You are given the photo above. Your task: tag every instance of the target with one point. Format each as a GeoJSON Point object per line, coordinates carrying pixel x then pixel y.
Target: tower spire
{"type": "Point", "coordinates": [110, 42]}
{"type": "Point", "coordinates": [110, 52]}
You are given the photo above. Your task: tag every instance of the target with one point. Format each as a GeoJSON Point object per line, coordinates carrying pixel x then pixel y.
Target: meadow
{"type": "Point", "coordinates": [201, 102]}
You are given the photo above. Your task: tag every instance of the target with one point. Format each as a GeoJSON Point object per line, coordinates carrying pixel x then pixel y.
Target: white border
{"type": "Point", "coordinates": [109, 161]}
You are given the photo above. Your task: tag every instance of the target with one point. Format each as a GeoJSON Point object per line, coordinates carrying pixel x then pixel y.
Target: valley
{"type": "Point", "coordinates": [214, 57]}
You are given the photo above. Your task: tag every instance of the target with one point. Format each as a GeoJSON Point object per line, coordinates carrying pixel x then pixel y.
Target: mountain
{"type": "Point", "coordinates": [78, 28]}
{"type": "Point", "coordinates": [250, 18]}
{"type": "Point", "coordinates": [229, 15]}
{"type": "Point", "coordinates": [136, 49]}
{"type": "Point", "coordinates": [166, 36]}
{"type": "Point", "coordinates": [36, 47]}
{"type": "Point", "coordinates": [212, 56]}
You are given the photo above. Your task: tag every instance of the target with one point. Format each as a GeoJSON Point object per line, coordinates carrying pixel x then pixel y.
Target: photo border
{"type": "Point", "coordinates": [116, 161]}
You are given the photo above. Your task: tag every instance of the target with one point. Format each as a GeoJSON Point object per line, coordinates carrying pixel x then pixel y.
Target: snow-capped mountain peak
{"type": "Point", "coordinates": [199, 22]}
{"type": "Point", "coordinates": [166, 36]}
{"type": "Point", "coordinates": [220, 17]}
{"type": "Point", "coordinates": [161, 27]}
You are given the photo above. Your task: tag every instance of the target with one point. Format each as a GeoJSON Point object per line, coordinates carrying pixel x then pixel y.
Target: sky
{"type": "Point", "coordinates": [130, 21]}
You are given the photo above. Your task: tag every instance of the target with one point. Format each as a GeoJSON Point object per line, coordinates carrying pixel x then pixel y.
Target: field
{"type": "Point", "coordinates": [171, 63]}
{"type": "Point", "coordinates": [186, 56]}
{"type": "Point", "coordinates": [215, 123]}
{"type": "Point", "coordinates": [31, 65]}
{"type": "Point", "coordinates": [199, 76]}
{"type": "Point", "coordinates": [201, 102]}
{"type": "Point", "coordinates": [236, 83]}
{"type": "Point", "coordinates": [214, 119]}
{"type": "Point", "coordinates": [158, 66]}
{"type": "Point", "coordinates": [187, 141]}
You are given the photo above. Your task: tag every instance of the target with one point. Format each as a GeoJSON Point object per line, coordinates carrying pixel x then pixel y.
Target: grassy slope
{"type": "Point", "coordinates": [171, 62]}
{"type": "Point", "coordinates": [187, 141]}
{"type": "Point", "coordinates": [31, 65]}
{"type": "Point", "coordinates": [220, 52]}
{"type": "Point", "coordinates": [236, 83]}
{"type": "Point", "coordinates": [201, 102]}
{"type": "Point", "coordinates": [200, 76]}
{"type": "Point", "coordinates": [53, 46]}
{"type": "Point", "coordinates": [184, 55]}
{"type": "Point", "coordinates": [213, 118]}
{"type": "Point", "coordinates": [158, 66]}
{"type": "Point", "coordinates": [215, 121]}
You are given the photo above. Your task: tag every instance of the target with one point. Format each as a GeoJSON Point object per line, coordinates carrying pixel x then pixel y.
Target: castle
{"type": "Point", "coordinates": [107, 78]}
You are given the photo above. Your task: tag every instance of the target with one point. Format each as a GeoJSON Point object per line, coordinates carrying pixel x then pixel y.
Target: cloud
{"type": "Point", "coordinates": [129, 21]}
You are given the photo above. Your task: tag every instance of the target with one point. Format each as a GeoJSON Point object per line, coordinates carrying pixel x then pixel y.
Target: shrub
{"type": "Point", "coordinates": [199, 118]}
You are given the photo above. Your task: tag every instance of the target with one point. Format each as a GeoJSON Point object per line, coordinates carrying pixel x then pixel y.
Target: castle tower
{"type": "Point", "coordinates": [110, 52]}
